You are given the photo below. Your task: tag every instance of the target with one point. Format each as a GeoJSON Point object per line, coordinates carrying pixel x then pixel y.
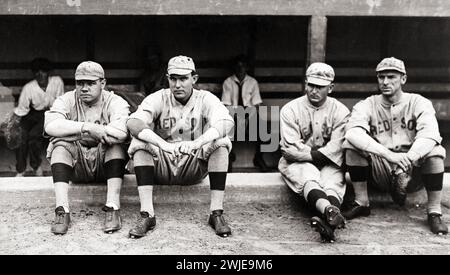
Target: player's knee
{"type": "Point", "coordinates": [114, 168]}
{"type": "Point", "coordinates": [433, 165]}
{"type": "Point", "coordinates": [354, 158]}
{"type": "Point", "coordinates": [115, 151]}
{"type": "Point", "coordinates": [218, 160]}
{"type": "Point", "coordinates": [60, 154]}
{"type": "Point", "coordinates": [143, 158]}
{"type": "Point", "coordinates": [220, 152]}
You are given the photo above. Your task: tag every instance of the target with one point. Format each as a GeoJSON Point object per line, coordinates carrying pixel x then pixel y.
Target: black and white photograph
{"type": "Point", "coordinates": [225, 133]}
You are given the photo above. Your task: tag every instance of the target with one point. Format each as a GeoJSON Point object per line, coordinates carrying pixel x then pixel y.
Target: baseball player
{"type": "Point", "coordinates": [389, 138]}
{"type": "Point", "coordinates": [37, 96]}
{"type": "Point", "coordinates": [87, 127]}
{"type": "Point", "coordinates": [312, 132]}
{"type": "Point", "coordinates": [180, 136]}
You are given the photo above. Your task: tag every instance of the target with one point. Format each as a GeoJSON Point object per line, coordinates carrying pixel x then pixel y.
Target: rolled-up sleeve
{"type": "Point", "coordinates": [426, 122]}
{"type": "Point", "coordinates": [256, 95]}
{"type": "Point", "coordinates": [149, 109]}
{"type": "Point", "coordinates": [360, 116]}
{"type": "Point", "coordinates": [60, 109]}
{"type": "Point", "coordinates": [289, 129]}
{"type": "Point", "coordinates": [227, 92]}
{"type": "Point", "coordinates": [215, 111]}
{"type": "Point", "coordinates": [23, 106]}
{"type": "Point", "coordinates": [119, 110]}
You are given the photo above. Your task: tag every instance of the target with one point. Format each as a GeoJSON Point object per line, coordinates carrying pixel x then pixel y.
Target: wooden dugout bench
{"type": "Point", "coordinates": [279, 84]}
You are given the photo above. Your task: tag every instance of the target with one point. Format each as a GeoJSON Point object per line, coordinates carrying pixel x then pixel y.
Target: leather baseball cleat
{"type": "Point", "coordinates": [436, 224]}
{"type": "Point", "coordinates": [113, 221]}
{"type": "Point", "coordinates": [325, 231]}
{"type": "Point", "coordinates": [334, 217]}
{"type": "Point", "coordinates": [356, 211]}
{"type": "Point", "coordinates": [398, 189]}
{"type": "Point", "coordinates": [218, 223]}
{"type": "Point", "coordinates": [144, 224]}
{"type": "Point", "coordinates": [62, 221]}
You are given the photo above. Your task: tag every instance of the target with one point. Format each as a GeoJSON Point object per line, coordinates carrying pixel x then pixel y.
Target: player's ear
{"type": "Point", "coordinates": [403, 79]}
{"type": "Point", "coordinates": [103, 82]}
{"type": "Point", "coordinates": [194, 78]}
{"type": "Point", "coordinates": [330, 88]}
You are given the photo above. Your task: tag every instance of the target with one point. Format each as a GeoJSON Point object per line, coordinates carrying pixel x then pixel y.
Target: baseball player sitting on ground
{"type": "Point", "coordinates": [391, 137]}
{"type": "Point", "coordinates": [312, 132]}
{"type": "Point", "coordinates": [180, 136]}
{"type": "Point", "coordinates": [87, 127]}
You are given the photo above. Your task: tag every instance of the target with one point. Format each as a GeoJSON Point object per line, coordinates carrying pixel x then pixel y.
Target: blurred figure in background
{"type": "Point", "coordinates": [36, 97]}
{"type": "Point", "coordinates": [240, 89]}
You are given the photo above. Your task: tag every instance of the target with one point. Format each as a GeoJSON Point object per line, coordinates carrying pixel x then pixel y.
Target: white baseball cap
{"type": "Point", "coordinates": [180, 65]}
{"type": "Point", "coordinates": [89, 70]}
{"type": "Point", "coordinates": [320, 74]}
{"type": "Point", "coordinates": [391, 64]}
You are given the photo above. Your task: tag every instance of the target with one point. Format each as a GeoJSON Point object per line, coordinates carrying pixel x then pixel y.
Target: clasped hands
{"type": "Point", "coordinates": [181, 148]}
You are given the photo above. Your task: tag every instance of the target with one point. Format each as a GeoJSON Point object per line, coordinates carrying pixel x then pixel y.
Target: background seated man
{"type": "Point", "coordinates": [390, 137]}
{"type": "Point", "coordinates": [180, 136]}
{"type": "Point", "coordinates": [242, 90]}
{"type": "Point", "coordinates": [36, 97]}
{"type": "Point", "coordinates": [87, 127]}
{"type": "Point", "coordinates": [312, 132]}
{"type": "Point", "coordinates": [154, 76]}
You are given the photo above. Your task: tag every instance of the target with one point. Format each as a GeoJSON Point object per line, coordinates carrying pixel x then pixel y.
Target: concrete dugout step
{"type": "Point", "coordinates": [241, 188]}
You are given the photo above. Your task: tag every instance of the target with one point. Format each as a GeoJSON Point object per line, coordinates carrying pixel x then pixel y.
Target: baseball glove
{"type": "Point", "coordinates": [13, 131]}
{"type": "Point", "coordinates": [398, 187]}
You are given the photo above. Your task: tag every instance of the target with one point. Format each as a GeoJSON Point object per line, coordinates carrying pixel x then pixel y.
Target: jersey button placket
{"type": "Point", "coordinates": [316, 128]}
{"type": "Point", "coordinates": [395, 127]}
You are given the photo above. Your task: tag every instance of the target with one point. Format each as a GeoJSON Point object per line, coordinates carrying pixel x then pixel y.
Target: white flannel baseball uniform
{"type": "Point", "coordinates": [175, 122]}
{"type": "Point", "coordinates": [395, 126]}
{"type": "Point", "coordinates": [88, 157]}
{"type": "Point", "coordinates": [322, 129]}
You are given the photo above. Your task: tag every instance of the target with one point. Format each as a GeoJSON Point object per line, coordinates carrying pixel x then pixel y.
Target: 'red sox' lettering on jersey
{"type": "Point", "coordinates": [397, 125]}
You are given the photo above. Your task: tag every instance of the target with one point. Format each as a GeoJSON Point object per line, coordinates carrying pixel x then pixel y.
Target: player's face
{"type": "Point", "coordinates": [390, 82]}
{"type": "Point", "coordinates": [240, 70]}
{"type": "Point", "coordinates": [41, 76]}
{"type": "Point", "coordinates": [181, 86]}
{"type": "Point", "coordinates": [90, 90]}
{"type": "Point", "coordinates": [316, 94]}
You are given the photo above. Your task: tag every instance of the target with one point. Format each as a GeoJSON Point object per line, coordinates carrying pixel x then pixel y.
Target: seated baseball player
{"type": "Point", "coordinates": [179, 137]}
{"type": "Point", "coordinates": [393, 143]}
{"type": "Point", "coordinates": [312, 132]}
{"type": "Point", "coordinates": [87, 127]}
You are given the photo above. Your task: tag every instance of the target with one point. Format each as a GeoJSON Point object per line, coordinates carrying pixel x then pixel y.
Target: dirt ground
{"type": "Point", "coordinates": [257, 229]}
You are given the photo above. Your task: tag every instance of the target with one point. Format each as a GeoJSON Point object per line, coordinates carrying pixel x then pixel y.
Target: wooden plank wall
{"type": "Point", "coordinates": [434, 8]}
{"type": "Point", "coordinates": [281, 37]}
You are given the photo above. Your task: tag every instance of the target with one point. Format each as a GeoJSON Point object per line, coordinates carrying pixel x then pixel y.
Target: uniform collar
{"type": "Point", "coordinates": [387, 103]}
{"type": "Point", "coordinates": [315, 107]}
{"type": "Point", "coordinates": [188, 103]}
{"type": "Point", "coordinates": [103, 96]}
{"type": "Point", "coordinates": [235, 79]}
